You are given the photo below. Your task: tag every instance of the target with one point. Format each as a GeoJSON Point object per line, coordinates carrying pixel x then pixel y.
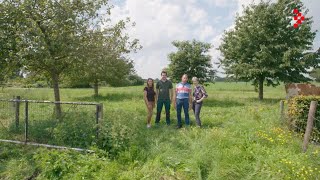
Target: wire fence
{"type": "Point", "coordinates": [300, 126]}
{"type": "Point", "coordinates": [37, 122]}
{"type": "Point", "coordinates": [304, 120]}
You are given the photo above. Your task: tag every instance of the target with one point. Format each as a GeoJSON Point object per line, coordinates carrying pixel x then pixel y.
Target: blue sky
{"type": "Point", "coordinates": [159, 22]}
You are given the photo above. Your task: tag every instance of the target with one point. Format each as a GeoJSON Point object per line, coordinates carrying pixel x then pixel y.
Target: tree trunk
{"type": "Point", "coordinates": [55, 80]}
{"type": "Point", "coordinates": [261, 80]}
{"type": "Point", "coordinates": [96, 88]}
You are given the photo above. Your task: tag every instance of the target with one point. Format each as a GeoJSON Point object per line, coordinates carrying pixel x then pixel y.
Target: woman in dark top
{"type": "Point", "coordinates": [199, 93]}
{"type": "Point", "coordinates": [149, 99]}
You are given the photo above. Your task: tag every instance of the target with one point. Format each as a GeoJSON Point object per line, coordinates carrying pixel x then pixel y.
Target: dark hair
{"type": "Point", "coordinates": [164, 72]}
{"type": "Point", "coordinates": [152, 83]}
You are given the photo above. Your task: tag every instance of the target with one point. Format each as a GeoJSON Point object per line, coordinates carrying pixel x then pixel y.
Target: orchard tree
{"type": "Point", "coordinates": [104, 56]}
{"type": "Point", "coordinates": [264, 47]}
{"type": "Point", "coordinates": [9, 40]}
{"type": "Point", "coordinates": [53, 35]}
{"type": "Point", "coordinates": [191, 58]}
{"type": "Point", "coordinates": [315, 73]}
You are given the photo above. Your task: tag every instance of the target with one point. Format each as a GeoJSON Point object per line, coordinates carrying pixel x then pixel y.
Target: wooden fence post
{"type": "Point", "coordinates": [26, 121]}
{"type": "Point", "coordinates": [17, 110]}
{"type": "Point", "coordinates": [281, 111]}
{"type": "Point", "coordinates": [311, 117]}
{"type": "Point", "coordinates": [99, 116]}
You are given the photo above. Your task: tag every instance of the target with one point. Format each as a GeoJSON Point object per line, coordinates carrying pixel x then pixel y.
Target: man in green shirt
{"type": "Point", "coordinates": [164, 95]}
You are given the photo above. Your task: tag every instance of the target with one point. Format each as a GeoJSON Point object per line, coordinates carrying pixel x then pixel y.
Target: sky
{"type": "Point", "coordinates": [159, 22]}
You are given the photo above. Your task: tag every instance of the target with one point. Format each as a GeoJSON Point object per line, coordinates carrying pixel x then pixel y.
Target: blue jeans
{"type": "Point", "coordinates": [166, 104]}
{"type": "Point", "coordinates": [185, 104]}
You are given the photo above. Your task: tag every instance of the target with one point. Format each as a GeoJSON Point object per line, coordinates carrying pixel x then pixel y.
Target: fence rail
{"type": "Point", "coordinates": [79, 125]}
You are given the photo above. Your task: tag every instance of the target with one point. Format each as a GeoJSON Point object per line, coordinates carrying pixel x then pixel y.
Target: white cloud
{"type": "Point", "coordinates": [196, 15]}
{"type": "Point", "coordinates": [159, 22]}
{"type": "Point", "coordinates": [205, 33]}
{"type": "Point", "coordinates": [221, 3]}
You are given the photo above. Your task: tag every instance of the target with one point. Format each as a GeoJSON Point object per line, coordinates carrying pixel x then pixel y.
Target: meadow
{"type": "Point", "coordinates": [241, 138]}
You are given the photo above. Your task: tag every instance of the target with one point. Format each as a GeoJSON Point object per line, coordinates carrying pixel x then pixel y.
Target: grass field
{"type": "Point", "coordinates": [241, 138]}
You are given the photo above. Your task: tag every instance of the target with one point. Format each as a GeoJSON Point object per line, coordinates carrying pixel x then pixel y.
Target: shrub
{"type": "Point", "coordinates": [57, 164]}
{"type": "Point", "coordinates": [114, 138]}
{"type": "Point", "coordinates": [76, 130]}
{"type": "Point", "coordinates": [298, 109]}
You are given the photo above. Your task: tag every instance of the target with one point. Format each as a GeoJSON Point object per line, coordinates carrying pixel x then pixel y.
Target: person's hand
{"type": "Point", "coordinates": [198, 101]}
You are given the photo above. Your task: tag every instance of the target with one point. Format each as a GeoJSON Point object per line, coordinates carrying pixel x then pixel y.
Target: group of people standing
{"type": "Point", "coordinates": [182, 97]}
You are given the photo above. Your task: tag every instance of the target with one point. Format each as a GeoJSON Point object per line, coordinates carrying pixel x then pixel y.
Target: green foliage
{"type": "Point", "coordinates": [130, 80]}
{"type": "Point", "coordinates": [68, 83]}
{"type": "Point", "coordinates": [68, 165]}
{"type": "Point", "coordinates": [315, 74]}
{"type": "Point", "coordinates": [9, 41]}
{"type": "Point", "coordinates": [241, 138]}
{"type": "Point", "coordinates": [264, 47]}
{"type": "Point", "coordinates": [298, 115]}
{"type": "Point", "coordinates": [135, 80]}
{"type": "Point", "coordinates": [191, 59]}
{"type": "Point", "coordinates": [76, 130]}
{"type": "Point", "coordinates": [15, 162]}
{"type": "Point", "coordinates": [64, 39]}
{"type": "Point", "coordinates": [33, 80]}
{"type": "Point", "coordinates": [103, 56]}
{"type": "Point", "coordinates": [51, 35]}
{"type": "Point", "coordinates": [114, 139]}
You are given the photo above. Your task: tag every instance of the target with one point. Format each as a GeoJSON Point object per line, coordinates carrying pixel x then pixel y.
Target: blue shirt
{"type": "Point", "coordinates": [183, 90]}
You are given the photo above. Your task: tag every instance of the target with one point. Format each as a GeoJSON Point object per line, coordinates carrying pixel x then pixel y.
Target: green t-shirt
{"type": "Point", "coordinates": [163, 88]}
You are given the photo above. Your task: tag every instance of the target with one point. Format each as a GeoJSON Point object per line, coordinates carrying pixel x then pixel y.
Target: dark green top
{"type": "Point", "coordinates": [163, 88]}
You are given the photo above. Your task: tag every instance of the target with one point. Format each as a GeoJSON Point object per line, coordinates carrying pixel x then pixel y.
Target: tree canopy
{"type": "Point", "coordinates": [264, 47]}
{"type": "Point", "coordinates": [104, 56]}
{"type": "Point", "coordinates": [56, 39]}
{"type": "Point", "coordinates": [191, 58]}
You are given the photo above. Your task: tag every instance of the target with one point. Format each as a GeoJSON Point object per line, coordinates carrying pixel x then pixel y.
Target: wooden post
{"type": "Point", "coordinates": [17, 110]}
{"type": "Point", "coordinates": [99, 115]}
{"type": "Point", "coordinates": [26, 122]}
{"type": "Point", "coordinates": [311, 117]}
{"type": "Point", "coordinates": [281, 111]}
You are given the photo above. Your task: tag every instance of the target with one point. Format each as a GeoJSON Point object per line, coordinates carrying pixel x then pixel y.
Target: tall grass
{"type": "Point", "coordinates": [241, 138]}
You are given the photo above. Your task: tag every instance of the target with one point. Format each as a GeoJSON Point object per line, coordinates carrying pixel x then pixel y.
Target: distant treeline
{"type": "Point", "coordinates": [32, 82]}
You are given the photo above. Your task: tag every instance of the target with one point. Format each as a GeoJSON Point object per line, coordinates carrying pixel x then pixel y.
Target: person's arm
{"type": "Point", "coordinates": [156, 97]}
{"type": "Point", "coordinates": [174, 99]}
{"type": "Point", "coordinates": [190, 99]}
{"type": "Point", "coordinates": [157, 92]}
{"type": "Point", "coordinates": [172, 95]}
